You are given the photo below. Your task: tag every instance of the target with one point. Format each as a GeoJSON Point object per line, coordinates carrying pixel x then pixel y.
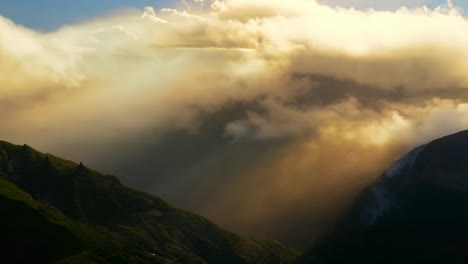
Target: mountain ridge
{"type": "Point", "coordinates": [101, 221]}
{"type": "Point", "coordinates": [414, 213]}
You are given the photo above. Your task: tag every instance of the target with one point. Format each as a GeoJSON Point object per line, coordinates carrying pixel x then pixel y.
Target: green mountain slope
{"type": "Point", "coordinates": [54, 210]}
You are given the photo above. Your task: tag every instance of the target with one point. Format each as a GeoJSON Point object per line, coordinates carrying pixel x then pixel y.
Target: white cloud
{"type": "Point", "coordinates": [382, 4]}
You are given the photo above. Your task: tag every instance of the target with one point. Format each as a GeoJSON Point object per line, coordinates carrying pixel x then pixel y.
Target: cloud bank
{"type": "Point", "coordinates": [253, 113]}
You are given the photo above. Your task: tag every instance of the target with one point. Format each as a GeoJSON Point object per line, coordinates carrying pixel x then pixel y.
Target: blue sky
{"type": "Point", "coordinates": [50, 14]}
{"type": "Point", "coordinates": [47, 15]}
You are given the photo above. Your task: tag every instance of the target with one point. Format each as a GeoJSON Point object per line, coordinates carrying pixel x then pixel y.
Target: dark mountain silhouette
{"type": "Point", "coordinates": [416, 212]}
{"type": "Point", "coordinates": [56, 211]}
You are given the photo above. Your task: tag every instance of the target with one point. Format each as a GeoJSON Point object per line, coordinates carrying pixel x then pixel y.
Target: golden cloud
{"type": "Point", "coordinates": [344, 91]}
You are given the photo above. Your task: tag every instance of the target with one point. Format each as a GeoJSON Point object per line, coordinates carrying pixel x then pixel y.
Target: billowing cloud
{"type": "Point", "coordinates": [276, 111]}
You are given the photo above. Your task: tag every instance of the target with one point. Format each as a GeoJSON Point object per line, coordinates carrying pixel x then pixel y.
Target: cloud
{"type": "Point", "coordinates": [381, 4]}
{"type": "Point", "coordinates": [273, 110]}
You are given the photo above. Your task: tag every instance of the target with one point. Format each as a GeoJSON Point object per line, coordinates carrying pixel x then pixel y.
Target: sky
{"type": "Point", "coordinates": [47, 15]}
{"type": "Point", "coordinates": [276, 110]}
{"type": "Point", "coordinates": [51, 14]}
{"type": "Point", "coordinates": [391, 5]}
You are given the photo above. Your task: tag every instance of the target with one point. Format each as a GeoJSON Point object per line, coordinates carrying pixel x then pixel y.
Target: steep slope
{"type": "Point", "coordinates": [30, 230]}
{"type": "Point", "coordinates": [59, 211]}
{"type": "Point", "coordinates": [417, 212]}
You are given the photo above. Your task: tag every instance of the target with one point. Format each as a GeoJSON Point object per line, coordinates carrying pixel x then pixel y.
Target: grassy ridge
{"type": "Point", "coordinates": [60, 211]}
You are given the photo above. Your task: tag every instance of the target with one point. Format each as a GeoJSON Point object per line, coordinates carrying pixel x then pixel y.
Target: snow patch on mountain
{"type": "Point", "coordinates": [402, 165]}
{"type": "Point", "coordinates": [381, 192]}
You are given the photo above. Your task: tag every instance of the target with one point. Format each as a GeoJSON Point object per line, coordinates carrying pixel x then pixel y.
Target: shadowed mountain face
{"type": "Point", "coordinates": [59, 211]}
{"type": "Point", "coordinates": [417, 212]}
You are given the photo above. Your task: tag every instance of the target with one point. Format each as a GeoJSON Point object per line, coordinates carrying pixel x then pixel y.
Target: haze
{"type": "Point", "coordinates": [264, 116]}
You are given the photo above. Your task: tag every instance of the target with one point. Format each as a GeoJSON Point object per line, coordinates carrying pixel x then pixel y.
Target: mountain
{"type": "Point", "coordinates": [57, 211]}
{"type": "Point", "coordinates": [416, 212]}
